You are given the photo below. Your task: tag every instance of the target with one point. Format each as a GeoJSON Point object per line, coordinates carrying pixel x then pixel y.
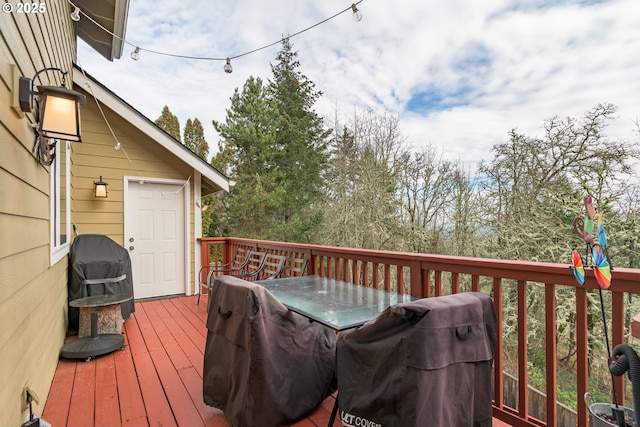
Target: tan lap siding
{"type": "Point", "coordinates": [33, 294]}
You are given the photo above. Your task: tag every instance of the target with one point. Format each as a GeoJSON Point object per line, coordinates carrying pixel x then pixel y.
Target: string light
{"type": "Point", "coordinates": [135, 55]}
{"type": "Point", "coordinates": [164, 193]}
{"type": "Point", "coordinates": [118, 146]}
{"type": "Point", "coordinates": [227, 67]}
{"type": "Point", "coordinates": [75, 15]}
{"type": "Point", "coordinates": [357, 15]}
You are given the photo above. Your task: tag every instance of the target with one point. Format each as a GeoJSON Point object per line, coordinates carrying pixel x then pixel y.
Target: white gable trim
{"type": "Point", "coordinates": [149, 128]}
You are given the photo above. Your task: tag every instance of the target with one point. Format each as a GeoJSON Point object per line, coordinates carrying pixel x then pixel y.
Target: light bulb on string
{"type": "Point", "coordinates": [227, 67]}
{"type": "Point", "coordinates": [135, 55]}
{"type": "Point", "coordinates": [357, 15]}
{"type": "Point", "coordinates": [75, 15]}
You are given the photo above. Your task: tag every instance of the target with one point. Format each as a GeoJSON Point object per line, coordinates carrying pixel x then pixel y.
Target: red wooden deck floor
{"type": "Point", "coordinates": [156, 380]}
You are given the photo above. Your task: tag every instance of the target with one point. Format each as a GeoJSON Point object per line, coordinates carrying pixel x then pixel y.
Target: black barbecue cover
{"type": "Point", "coordinates": [421, 363]}
{"type": "Point", "coordinates": [264, 365]}
{"type": "Point", "coordinates": [98, 266]}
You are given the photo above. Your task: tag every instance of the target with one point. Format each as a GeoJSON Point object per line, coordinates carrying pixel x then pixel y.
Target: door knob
{"type": "Point", "coordinates": [131, 239]}
{"type": "Point", "coordinates": [130, 248]}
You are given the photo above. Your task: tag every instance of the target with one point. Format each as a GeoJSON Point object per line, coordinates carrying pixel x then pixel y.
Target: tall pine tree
{"type": "Point", "coordinates": [275, 145]}
{"type": "Point", "coordinates": [194, 138]}
{"type": "Point", "coordinates": [246, 154]}
{"type": "Point", "coordinates": [169, 123]}
{"type": "Point", "coordinates": [301, 146]}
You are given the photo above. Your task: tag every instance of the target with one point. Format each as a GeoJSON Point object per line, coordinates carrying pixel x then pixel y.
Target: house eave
{"type": "Point", "coordinates": [103, 25]}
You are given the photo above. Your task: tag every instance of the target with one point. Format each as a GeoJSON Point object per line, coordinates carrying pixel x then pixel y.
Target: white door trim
{"type": "Point", "coordinates": [197, 227]}
{"type": "Point", "coordinates": [186, 195]}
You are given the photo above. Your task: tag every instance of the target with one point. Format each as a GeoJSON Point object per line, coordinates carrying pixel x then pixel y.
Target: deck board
{"type": "Point", "coordinates": [132, 410]}
{"type": "Point", "coordinates": [155, 402]}
{"type": "Point", "coordinates": [156, 380]}
{"type": "Point", "coordinates": [82, 402]}
{"type": "Point", "coordinates": [106, 396]}
{"type": "Point", "coordinates": [60, 393]}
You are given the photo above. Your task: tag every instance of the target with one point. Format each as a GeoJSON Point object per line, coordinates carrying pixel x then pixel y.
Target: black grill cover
{"type": "Point", "coordinates": [95, 256]}
{"type": "Point", "coordinates": [264, 365]}
{"type": "Point", "coordinates": [422, 363]}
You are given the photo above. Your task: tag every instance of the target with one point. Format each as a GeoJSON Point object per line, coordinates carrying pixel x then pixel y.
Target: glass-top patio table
{"type": "Point", "coordinates": [334, 303]}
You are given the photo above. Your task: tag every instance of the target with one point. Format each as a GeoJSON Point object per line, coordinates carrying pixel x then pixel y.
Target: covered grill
{"type": "Point", "coordinates": [98, 266]}
{"type": "Point", "coordinates": [421, 363]}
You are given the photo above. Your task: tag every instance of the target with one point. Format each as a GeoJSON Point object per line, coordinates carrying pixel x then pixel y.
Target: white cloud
{"type": "Point", "coordinates": [485, 67]}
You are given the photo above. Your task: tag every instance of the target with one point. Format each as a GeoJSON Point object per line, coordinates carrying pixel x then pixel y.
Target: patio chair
{"type": "Point", "coordinates": [426, 362]}
{"type": "Point", "coordinates": [271, 267]}
{"type": "Point", "coordinates": [251, 269]}
{"type": "Point", "coordinates": [238, 262]}
{"type": "Point", "coordinates": [294, 266]}
{"type": "Point", "coordinates": [264, 365]}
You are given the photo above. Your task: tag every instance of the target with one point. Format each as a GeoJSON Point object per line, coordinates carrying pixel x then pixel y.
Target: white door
{"type": "Point", "coordinates": [155, 238]}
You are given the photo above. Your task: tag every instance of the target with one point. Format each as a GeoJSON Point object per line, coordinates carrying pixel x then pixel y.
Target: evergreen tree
{"type": "Point", "coordinates": [273, 146]}
{"type": "Point", "coordinates": [169, 123]}
{"type": "Point", "coordinates": [300, 146]}
{"type": "Point", "coordinates": [247, 145]}
{"type": "Point", "coordinates": [194, 138]}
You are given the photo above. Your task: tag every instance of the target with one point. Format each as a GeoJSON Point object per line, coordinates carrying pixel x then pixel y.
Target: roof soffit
{"type": "Point", "coordinates": [110, 14]}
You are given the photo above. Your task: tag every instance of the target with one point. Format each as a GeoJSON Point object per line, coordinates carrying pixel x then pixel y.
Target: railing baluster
{"type": "Point", "coordinates": [498, 359]}
{"type": "Point", "coordinates": [365, 273]}
{"type": "Point", "coordinates": [387, 277]}
{"type": "Point", "coordinates": [426, 284]}
{"type": "Point", "coordinates": [617, 336]}
{"type": "Point", "coordinates": [354, 271]}
{"type": "Point", "coordinates": [455, 283]}
{"type": "Point", "coordinates": [330, 264]}
{"type": "Point", "coordinates": [582, 353]}
{"type": "Point", "coordinates": [437, 283]}
{"type": "Point", "coordinates": [376, 278]}
{"type": "Point", "coordinates": [523, 357]}
{"type": "Point", "coordinates": [551, 352]}
{"type": "Point", "coordinates": [475, 283]}
{"type": "Point", "coordinates": [415, 279]}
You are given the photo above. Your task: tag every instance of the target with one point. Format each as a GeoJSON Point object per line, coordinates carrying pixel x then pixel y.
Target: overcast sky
{"type": "Point", "coordinates": [460, 74]}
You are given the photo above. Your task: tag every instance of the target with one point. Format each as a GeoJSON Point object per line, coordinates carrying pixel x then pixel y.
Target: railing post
{"type": "Point", "coordinates": [312, 267]}
{"type": "Point", "coordinates": [204, 255]}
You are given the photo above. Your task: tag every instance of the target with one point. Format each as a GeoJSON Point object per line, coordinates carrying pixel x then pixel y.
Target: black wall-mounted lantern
{"type": "Point", "coordinates": [101, 188]}
{"type": "Point", "coordinates": [57, 110]}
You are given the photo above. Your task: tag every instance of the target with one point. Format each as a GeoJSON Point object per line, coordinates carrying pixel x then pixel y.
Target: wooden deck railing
{"type": "Point", "coordinates": [424, 275]}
